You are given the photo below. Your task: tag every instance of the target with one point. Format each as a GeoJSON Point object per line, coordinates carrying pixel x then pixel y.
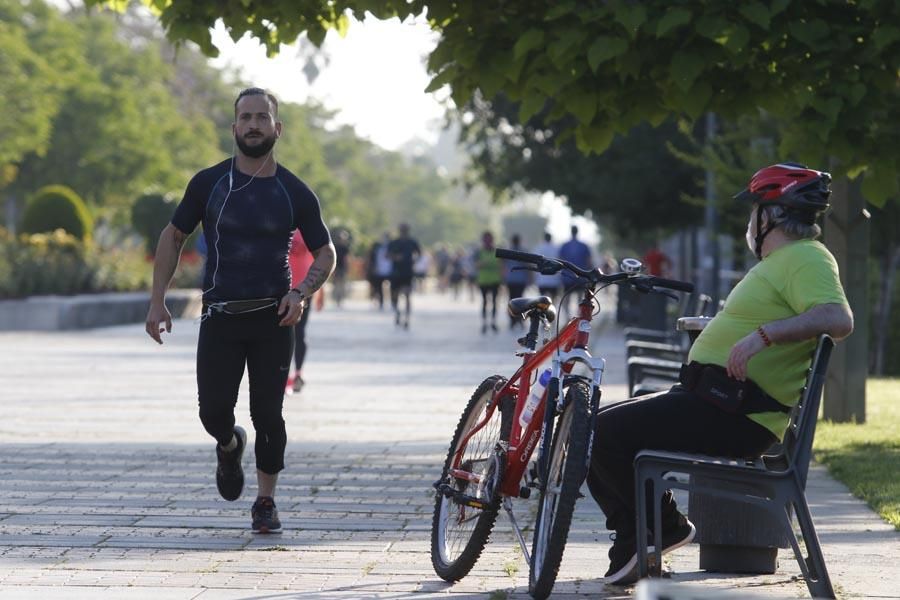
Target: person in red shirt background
{"type": "Point", "coordinates": [300, 259]}
{"type": "Point", "coordinates": [657, 262]}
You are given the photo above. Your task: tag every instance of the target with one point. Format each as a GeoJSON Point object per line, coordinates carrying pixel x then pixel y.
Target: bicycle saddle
{"type": "Point", "coordinates": [519, 307]}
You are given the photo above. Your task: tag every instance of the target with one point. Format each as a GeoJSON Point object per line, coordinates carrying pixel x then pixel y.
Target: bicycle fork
{"type": "Point", "coordinates": [556, 404]}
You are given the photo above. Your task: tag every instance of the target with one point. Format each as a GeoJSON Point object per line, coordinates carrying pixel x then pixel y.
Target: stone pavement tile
{"type": "Point", "coordinates": [42, 592]}
{"type": "Point", "coordinates": [63, 541]}
{"type": "Point", "coordinates": [173, 543]}
{"type": "Point", "coordinates": [68, 519]}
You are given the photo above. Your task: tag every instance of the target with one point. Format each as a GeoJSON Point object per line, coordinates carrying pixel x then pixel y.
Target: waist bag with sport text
{"type": "Point", "coordinates": [712, 383]}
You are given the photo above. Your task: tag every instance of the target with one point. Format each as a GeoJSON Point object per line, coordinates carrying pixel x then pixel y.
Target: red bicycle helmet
{"type": "Point", "coordinates": [802, 191]}
{"type": "Point", "coordinates": [791, 185]}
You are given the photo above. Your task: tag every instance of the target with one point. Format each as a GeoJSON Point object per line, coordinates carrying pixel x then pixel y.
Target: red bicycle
{"type": "Point", "coordinates": [506, 420]}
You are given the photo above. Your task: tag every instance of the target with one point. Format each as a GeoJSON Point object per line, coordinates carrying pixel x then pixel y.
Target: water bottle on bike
{"type": "Point", "coordinates": [537, 392]}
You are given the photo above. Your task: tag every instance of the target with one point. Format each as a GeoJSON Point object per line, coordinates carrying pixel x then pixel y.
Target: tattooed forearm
{"type": "Point", "coordinates": [323, 264]}
{"type": "Point", "coordinates": [315, 279]}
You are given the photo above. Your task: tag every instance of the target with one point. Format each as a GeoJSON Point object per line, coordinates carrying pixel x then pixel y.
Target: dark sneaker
{"type": "Point", "coordinates": [265, 516]}
{"type": "Point", "coordinates": [622, 560]}
{"type": "Point", "coordinates": [623, 554]}
{"type": "Point", "coordinates": [677, 533]}
{"type": "Point", "coordinates": [229, 474]}
{"type": "Point", "coordinates": [298, 384]}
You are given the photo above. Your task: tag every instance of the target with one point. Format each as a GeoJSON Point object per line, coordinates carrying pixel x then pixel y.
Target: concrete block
{"type": "Point", "coordinates": [87, 311]}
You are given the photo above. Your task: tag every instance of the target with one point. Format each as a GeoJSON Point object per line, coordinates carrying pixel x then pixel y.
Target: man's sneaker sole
{"type": "Point", "coordinates": [231, 490]}
{"type": "Point", "coordinates": [628, 574]}
{"type": "Point", "coordinates": [680, 538]}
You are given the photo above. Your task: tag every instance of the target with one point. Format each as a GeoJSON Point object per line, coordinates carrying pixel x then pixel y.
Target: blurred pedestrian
{"type": "Point", "coordinates": [548, 285]}
{"type": "Point", "coordinates": [489, 276]}
{"type": "Point", "coordinates": [516, 280]}
{"type": "Point", "coordinates": [342, 242]}
{"type": "Point", "coordinates": [442, 260]}
{"type": "Point", "coordinates": [579, 254]}
{"type": "Point", "coordinates": [379, 268]}
{"type": "Point", "coordinates": [656, 261]}
{"type": "Point", "coordinates": [421, 268]}
{"type": "Point", "coordinates": [300, 259]}
{"type": "Point", "coordinates": [457, 272]}
{"type": "Point", "coordinates": [404, 250]}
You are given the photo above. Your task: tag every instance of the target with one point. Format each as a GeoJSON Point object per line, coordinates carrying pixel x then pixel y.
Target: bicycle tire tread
{"type": "Point", "coordinates": [459, 568]}
{"type": "Point", "coordinates": [574, 474]}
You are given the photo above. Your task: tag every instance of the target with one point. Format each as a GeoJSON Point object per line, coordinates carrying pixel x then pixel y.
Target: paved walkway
{"type": "Point", "coordinates": [107, 488]}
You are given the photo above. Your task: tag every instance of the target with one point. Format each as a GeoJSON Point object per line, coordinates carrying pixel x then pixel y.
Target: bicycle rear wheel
{"type": "Point", "coordinates": [459, 531]}
{"type": "Point", "coordinates": [568, 469]}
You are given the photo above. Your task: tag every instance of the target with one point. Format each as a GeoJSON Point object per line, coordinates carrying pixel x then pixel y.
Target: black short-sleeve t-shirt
{"type": "Point", "coordinates": [248, 226]}
{"type": "Point", "coordinates": [403, 252]}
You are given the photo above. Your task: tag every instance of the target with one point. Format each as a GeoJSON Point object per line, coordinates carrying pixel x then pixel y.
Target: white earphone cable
{"type": "Point", "coordinates": [231, 189]}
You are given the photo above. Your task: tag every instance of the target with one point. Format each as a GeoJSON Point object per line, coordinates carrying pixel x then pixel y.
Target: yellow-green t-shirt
{"type": "Point", "coordinates": [488, 267]}
{"type": "Point", "coordinates": [786, 283]}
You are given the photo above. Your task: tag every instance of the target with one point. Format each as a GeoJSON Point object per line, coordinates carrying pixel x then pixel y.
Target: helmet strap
{"type": "Point", "coordinates": [760, 233]}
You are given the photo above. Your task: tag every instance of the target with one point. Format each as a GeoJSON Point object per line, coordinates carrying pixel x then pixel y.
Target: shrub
{"type": "Point", "coordinates": [58, 263]}
{"type": "Point", "coordinates": [149, 215]}
{"type": "Point", "coordinates": [45, 263]}
{"type": "Point", "coordinates": [57, 207]}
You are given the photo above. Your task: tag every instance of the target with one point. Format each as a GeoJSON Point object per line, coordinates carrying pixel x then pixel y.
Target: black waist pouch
{"type": "Point", "coordinates": [712, 384]}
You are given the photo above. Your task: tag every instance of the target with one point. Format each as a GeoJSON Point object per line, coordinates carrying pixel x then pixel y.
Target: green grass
{"type": "Point", "coordinates": [866, 458]}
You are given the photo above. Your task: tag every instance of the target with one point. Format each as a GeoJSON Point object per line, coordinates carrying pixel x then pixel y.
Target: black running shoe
{"type": "Point", "coordinates": [679, 531]}
{"type": "Point", "coordinates": [265, 516]}
{"type": "Point", "coordinates": [622, 560]}
{"type": "Point", "coordinates": [229, 474]}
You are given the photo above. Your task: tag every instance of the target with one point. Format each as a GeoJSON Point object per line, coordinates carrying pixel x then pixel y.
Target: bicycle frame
{"type": "Point", "coordinates": [569, 347]}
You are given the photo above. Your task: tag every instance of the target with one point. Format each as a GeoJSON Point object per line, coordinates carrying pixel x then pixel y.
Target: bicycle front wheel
{"type": "Point", "coordinates": [567, 471]}
{"type": "Point", "coordinates": [467, 503]}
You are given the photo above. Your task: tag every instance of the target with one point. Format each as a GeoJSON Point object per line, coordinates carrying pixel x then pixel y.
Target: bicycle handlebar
{"type": "Point", "coordinates": [672, 284]}
{"type": "Point", "coordinates": [519, 256]}
{"type": "Point", "coordinates": [549, 266]}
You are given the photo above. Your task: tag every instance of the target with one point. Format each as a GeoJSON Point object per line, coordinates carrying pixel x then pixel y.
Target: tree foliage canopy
{"type": "Point", "coordinates": [103, 106]}
{"type": "Point", "coordinates": [632, 188]}
{"type": "Point", "coordinates": [829, 68]}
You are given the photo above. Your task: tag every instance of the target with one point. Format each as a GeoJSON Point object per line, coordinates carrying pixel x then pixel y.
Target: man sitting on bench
{"type": "Point", "coordinates": [745, 370]}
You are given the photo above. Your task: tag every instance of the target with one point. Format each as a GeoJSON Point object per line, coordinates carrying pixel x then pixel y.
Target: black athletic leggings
{"type": "Point", "coordinates": [676, 421]}
{"type": "Point", "coordinates": [226, 344]}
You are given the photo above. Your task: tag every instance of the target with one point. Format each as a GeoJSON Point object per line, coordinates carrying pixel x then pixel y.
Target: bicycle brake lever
{"type": "Point", "coordinates": [549, 268]}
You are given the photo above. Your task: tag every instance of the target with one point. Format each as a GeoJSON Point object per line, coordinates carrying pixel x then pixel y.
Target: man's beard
{"type": "Point", "coordinates": [259, 150]}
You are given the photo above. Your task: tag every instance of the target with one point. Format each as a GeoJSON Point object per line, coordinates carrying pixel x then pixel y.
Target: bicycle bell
{"type": "Point", "coordinates": [632, 266]}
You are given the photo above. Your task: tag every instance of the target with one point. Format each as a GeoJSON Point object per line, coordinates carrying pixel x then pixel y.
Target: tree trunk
{"type": "Point", "coordinates": [847, 236]}
{"type": "Point", "coordinates": [889, 268]}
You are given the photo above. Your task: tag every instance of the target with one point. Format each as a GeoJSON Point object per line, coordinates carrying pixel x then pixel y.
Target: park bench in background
{"type": "Point", "coordinates": [648, 372]}
{"type": "Point", "coordinates": [775, 483]}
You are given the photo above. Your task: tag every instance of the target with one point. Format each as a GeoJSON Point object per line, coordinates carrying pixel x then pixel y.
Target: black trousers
{"type": "Point", "coordinates": [227, 343]}
{"type": "Point", "coordinates": [675, 421]}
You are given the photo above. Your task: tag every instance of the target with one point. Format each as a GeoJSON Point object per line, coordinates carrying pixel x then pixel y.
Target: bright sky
{"type": "Point", "coordinates": [375, 77]}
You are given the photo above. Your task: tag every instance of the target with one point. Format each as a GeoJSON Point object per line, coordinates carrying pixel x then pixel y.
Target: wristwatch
{"type": "Point", "coordinates": [303, 297]}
